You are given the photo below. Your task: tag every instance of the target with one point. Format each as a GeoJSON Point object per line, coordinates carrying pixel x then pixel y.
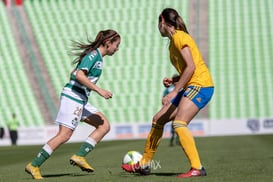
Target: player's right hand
{"type": "Point", "coordinates": [106, 94]}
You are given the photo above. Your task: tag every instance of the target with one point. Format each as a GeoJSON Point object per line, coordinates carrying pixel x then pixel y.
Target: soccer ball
{"type": "Point", "coordinates": [132, 157]}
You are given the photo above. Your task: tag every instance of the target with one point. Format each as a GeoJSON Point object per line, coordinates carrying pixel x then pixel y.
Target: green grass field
{"type": "Point", "coordinates": [231, 158]}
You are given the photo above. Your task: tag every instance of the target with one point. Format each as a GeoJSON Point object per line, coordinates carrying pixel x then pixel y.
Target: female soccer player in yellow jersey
{"type": "Point", "coordinates": [192, 92]}
{"type": "Point", "coordinates": [74, 105]}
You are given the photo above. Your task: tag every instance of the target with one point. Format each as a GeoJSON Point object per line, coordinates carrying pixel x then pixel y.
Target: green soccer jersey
{"type": "Point", "coordinates": [92, 63]}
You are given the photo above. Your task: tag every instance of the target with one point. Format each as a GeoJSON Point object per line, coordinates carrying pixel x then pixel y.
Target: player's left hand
{"type": "Point", "coordinates": [167, 82]}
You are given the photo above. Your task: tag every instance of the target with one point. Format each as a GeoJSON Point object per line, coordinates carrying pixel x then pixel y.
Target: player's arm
{"type": "Point", "coordinates": [184, 77]}
{"type": "Point", "coordinates": [188, 71]}
{"type": "Point", "coordinates": [82, 78]}
{"type": "Point", "coordinates": [169, 81]}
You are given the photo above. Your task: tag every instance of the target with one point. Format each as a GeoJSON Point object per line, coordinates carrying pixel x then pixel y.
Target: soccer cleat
{"type": "Point", "coordinates": [193, 173]}
{"type": "Point", "coordinates": [81, 163]}
{"type": "Point", "coordinates": [136, 168]}
{"type": "Point", "coordinates": [33, 171]}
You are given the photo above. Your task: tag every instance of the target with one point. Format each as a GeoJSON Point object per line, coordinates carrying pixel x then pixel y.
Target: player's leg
{"type": "Point", "coordinates": [100, 122]}
{"type": "Point", "coordinates": [67, 117]}
{"type": "Point", "coordinates": [62, 136]}
{"type": "Point", "coordinates": [13, 136]}
{"type": "Point", "coordinates": [194, 100]}
{"type": "Point", "coordinates": [165, 114]}
{"type": "Point", "coordinates": [172, 136]}
{"type": "Point", "coordinates": [186, 111]}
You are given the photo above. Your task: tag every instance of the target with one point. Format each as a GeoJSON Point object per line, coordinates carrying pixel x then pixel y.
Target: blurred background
{"type": "Point", "coordinates": [235, 38]}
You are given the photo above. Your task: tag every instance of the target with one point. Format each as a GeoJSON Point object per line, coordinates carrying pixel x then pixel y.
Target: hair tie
{"type": "Point", "coordinates": [110, 37]}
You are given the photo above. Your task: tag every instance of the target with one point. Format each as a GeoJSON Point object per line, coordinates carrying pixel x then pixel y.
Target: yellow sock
{"type": "Point", "coordinates": [152, 143]}
{"type": "Point", "coordinates": [187, 143]}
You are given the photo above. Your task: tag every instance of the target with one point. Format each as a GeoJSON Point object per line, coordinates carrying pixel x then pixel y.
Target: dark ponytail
{"type": "Point", "coordinates": [80, 49]}
{"type": "Point", "coordinates": [171, 17]}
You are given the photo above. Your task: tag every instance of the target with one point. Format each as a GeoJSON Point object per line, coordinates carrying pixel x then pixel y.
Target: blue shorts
{"type": "Point", "coordinates": [200, 96]}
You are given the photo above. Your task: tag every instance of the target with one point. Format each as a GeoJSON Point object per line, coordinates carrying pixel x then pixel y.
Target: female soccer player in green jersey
{"type": "Point", "coordinates": [74, 106]}
{"type": "Point", "coordinates": [191, 93]}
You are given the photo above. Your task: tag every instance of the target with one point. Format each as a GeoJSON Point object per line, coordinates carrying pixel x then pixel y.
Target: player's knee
{"type": "Point", "coordinates": [105, 127]}
{"type": "Point", "coordinates": [155, 119]}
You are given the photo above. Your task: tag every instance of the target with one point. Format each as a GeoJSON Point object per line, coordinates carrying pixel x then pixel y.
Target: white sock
{"type": "Point", "coordinates": [48, 149]}
{"type": "Point", "coordinates": [91, 141]}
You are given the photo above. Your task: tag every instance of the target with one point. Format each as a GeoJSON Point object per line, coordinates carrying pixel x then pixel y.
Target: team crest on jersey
{"type": "Point", "coordinates": [98, 65]}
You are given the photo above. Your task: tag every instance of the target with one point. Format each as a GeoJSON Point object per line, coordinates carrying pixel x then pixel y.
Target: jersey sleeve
{"type": "Point", "coordinates": [88, 61]}
{"type": "Point", "coordinates": [180, 42]}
